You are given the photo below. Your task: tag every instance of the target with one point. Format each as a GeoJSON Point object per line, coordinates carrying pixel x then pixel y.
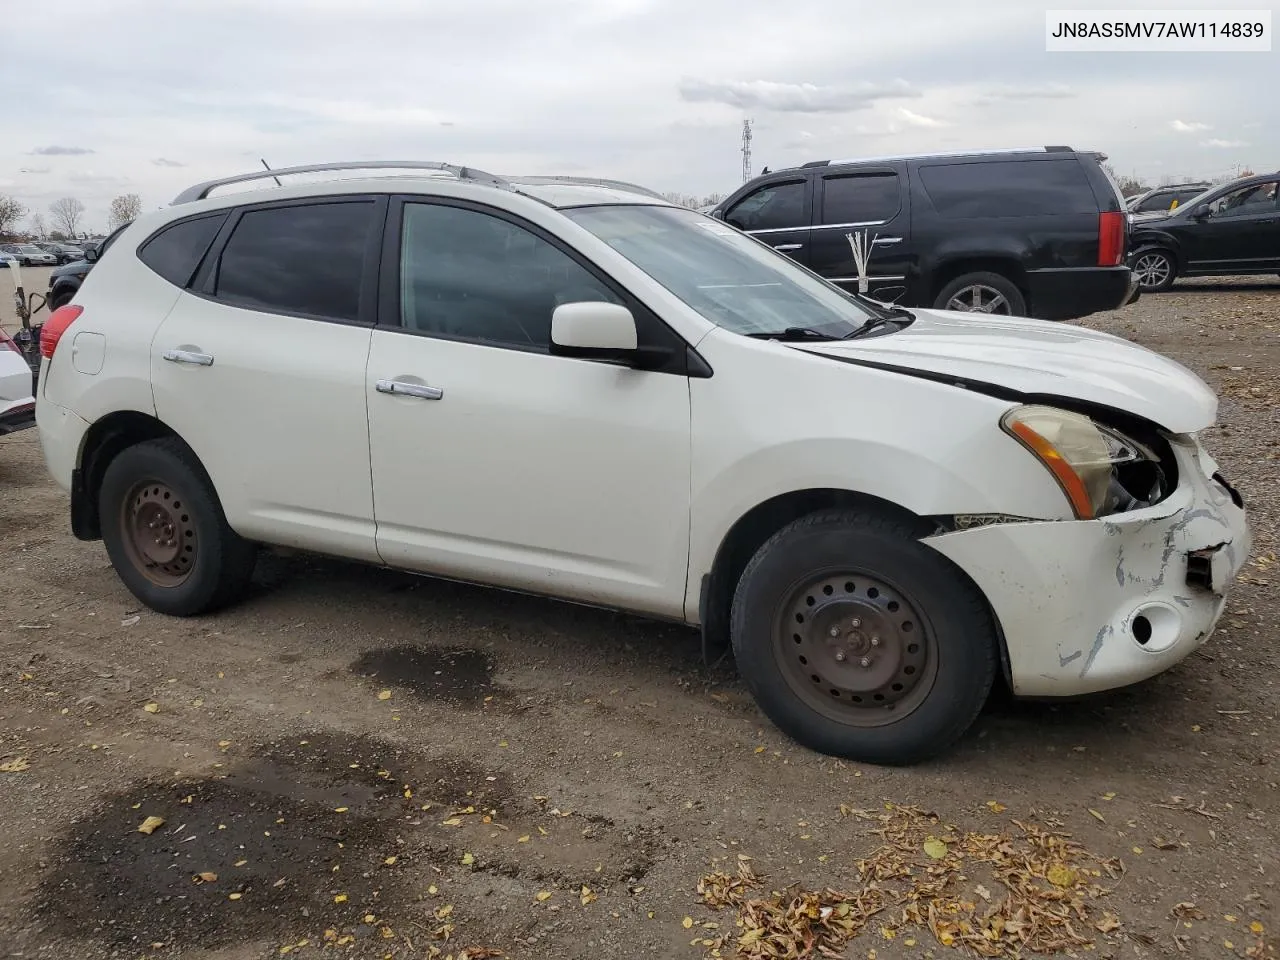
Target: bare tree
{"type": "Point", "coordinates": [66, 214]}
{"type": "Point", "coordinates": [124, 209]}
{"type": "Point", "coordinates": [38, 227]}
{"type": "Point", "coordinates": [11, 211]}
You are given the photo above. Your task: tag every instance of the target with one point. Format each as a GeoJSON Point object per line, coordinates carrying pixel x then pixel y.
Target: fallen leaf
{"type": "Point", "coordinates": [935, 848]}
{"type": "Point", "coordinates": [983, 892]}
{"type": "Point", "coordinates": [543, 895]}
{"type": "Point", "coordinates": [1097, 816]}
{"type": "Point", "coordinates": [451, 822]}
{"type": "Point", "coordinates": [340, 898]}
{"type": "Point", "coordinates": [524, 839]}
{"type": "Point", "coordinates": [1108, 923]}
{"type": "Point", "coordinates": [390, 861]}
{"type": "Point", "coordinates": [206, 877]}
{"type": "Point", "coordinates": [996, 806]}
{"type": "Point", "coordinates": [1060, 875]}
{"type": "Point", "coordinates": [1257, 928]}
{"type": "Point", "coordinates": [234, 896]}
{"type": "Point", "coordinates": [151, 825]}
{"type": "Point", "coordinates": [341, 809]}
{"type": "Point", "coordinates": [433, 889]}
{"type": "Point", "coordinates": [587, 896]}
{"type": "Point", "coordinates": [152, 708]}
{"type": "Point", "coordinates": [468, 859]}
{"type": "Point", "coordinates": [17, 765]}
{"type": "Point", "coordinates": [384, 694]}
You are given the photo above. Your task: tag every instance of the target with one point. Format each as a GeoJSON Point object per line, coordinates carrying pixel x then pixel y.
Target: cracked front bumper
{"type": "Point", "coordinates": [1089, 605]}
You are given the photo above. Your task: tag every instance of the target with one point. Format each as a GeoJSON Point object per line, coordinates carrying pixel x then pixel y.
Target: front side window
{"type": "Point", "coordinates": [177, 250]}
{"type": "Point", "coordinates": [775, 207]}
{"type": "Point", "coordinates": [871, 197]}
{"type": "Point", "coordinates": [733, 280]}
{"type": "Point", "coordinates": [1245, 202]}
{"type": "Point", "coordinates": [303, 259]}
{"type": "Point", "coordinates": [470, 275]}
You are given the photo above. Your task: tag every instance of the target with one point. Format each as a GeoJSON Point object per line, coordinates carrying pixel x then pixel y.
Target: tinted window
{"type": "Point", "coordinates": [1158, 201]}
{"type": "Point", "coordinates": [1246, 202]}
{"type": "Point", "coordinates": [470, 275]}
{"type": "Point", "coordinates": [859, 198]}
{"type": "Point", "coordinates": [176, 251]}
{"type": "Point", "coordinates": [301, 259]}
{"type": "Point", "coordinates": [1009, 188]}
{"type": "Point", "coordinates": [770, 208]}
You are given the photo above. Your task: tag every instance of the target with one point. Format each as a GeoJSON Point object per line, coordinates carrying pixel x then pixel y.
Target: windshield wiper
{"type": "Point", "coordinates": [793, 334]}
{"type": "Point", "coordinates": [887, 316]}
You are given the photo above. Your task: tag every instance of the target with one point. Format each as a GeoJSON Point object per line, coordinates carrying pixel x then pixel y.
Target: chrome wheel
{"type": "Point", "coordinates": [855, 649]}
{"type": "Point", "coordinates": [979, 298]}
{"type": "Point", "coordinates": [1153, 270]}
{"type": "Point", "coordinates": [159, 535]}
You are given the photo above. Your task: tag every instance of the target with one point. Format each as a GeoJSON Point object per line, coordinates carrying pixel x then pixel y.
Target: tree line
{"type": "Point", "coordinates": [65, 217]}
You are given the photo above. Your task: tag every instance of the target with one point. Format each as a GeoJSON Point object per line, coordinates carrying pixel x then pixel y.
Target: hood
{"type": "Point", "coordinates": [1040, 358]}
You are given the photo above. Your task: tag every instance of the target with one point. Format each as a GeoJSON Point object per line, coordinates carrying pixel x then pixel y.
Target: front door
{"type": "Point", "coordinates": [260, 368]}
{"type": "Point", "coordinates": [1240, 232]}
{"type": "Point", "coordinates": [869, 208]}
{"type": "Point", "coordinates": [494, 460]}
{"type": "Point", "coordinates": [778, 214]}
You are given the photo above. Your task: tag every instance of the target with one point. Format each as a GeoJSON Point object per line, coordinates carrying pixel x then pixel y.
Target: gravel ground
{"type": "Point", "coordinates": [385, 766]}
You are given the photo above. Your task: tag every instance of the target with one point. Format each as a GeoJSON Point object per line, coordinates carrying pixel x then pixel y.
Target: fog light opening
{"type": "Point", "coordinates": [1141, 629]}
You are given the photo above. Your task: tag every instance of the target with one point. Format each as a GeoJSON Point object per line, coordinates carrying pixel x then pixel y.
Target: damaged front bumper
{"type": "Point", "coordinates": [1089, 605]}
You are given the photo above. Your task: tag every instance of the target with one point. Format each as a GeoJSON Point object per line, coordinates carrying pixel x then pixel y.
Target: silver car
{"type": "Point", "coordinates": [29, 255]}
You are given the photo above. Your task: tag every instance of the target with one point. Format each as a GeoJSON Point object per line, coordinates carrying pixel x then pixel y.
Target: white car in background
{"type": "Point", "coordinates": [7, 260]}
{"type": "Point", "coordinates": [17, 405]}
{"type": "Point", "coordinates": [584, 391]}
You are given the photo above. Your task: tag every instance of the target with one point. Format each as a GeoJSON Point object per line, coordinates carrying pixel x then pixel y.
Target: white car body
{"type": "Point", "coordinates": [598, 483]}
{"type": "Point", "coordinates": [17, 405]}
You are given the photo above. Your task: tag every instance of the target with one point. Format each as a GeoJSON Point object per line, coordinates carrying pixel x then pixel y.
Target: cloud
{"type": "Point", "coordinates": [33, 169]}
{"type": "Point", "coordinates": [791, 97]}
{"type": "Point", "coordinates": [1223, 144]}
{"type": "Point", "coordinates": [912, 119]}
{"type": "Point", "coordinates": [1030, 91]}
{"type": "Point", "coordinates": [1193, 126]}
{"type": "Point", "coordinates": [162, 162]}
{"type": "Point", "coordinates": [61, 151]}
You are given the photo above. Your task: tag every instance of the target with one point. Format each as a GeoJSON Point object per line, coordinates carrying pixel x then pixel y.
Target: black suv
{"type": "Point", "coordinates": [1230, 230]}
{"type": "Point", "coordinates": [1039, 232]}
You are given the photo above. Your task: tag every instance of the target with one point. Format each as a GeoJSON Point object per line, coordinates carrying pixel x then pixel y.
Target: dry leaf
{"type": "Point", "coordinates": [151, 825]}
{"type": "Point", "coordinates": [524, 839]}
{"type": "Point", "coordinates": [206, 877]}
{"type": "Point", "coordinates": [468, 859]}
{"type": "Point", "coordinates": [384, 694]}
{"type": "Point", "coordinates": [390, 861]}
{"type": "Point", "coordinates": [1108, 923]}
{"type": "Point", "coordinates": [587, 895]}
{"type": "Point", "coordinates": [996, 806]}
{"type": "Point", "coordinates": [543, 895]}
{"type": "Point", "coordinates": [1097, 816]}
{"type": "Point", "coordinates": [935, 848]}
{"type": "Point", "coordinates": [340, 898]}
{"type": "Point", "coordinates": [152, 708]}
{"type": "Point", "coordinates": [16, 765]}
{"type": "Point", "coordinates": [1060, 875]}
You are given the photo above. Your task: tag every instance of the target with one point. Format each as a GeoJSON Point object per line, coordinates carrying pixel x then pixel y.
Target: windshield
{"type": "Point", "coordinates": [734, 281]}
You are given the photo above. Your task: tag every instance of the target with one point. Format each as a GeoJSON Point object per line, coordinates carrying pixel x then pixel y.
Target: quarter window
{"type": "Point", "coordinates": [773, 207]}
{"type": "Point", "coordinates": [1008, 188]}
{"type": "Point", "coordinates": [860, 198]}
{"type": "Point", "coordinates": [469, 275]}
{"type": "Point", "coordinates": [304, 259]}
{"type": "Point", "coordinates": [176, 251]}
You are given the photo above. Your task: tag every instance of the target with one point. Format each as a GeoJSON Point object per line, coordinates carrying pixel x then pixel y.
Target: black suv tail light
{"type": "Point", "coordinates": [1112, 226]}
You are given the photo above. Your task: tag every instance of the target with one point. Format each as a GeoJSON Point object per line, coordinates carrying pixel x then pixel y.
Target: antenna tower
{"type": "Point", "coordinates": [746, 149]}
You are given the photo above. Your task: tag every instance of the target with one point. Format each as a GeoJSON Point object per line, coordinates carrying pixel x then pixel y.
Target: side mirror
{"type": "Point", "coordinates": [593, 331]}
{"type": "Point", "coordinates": [1201, 212]}
{"type": "Point", "coordinates": [91, 254]}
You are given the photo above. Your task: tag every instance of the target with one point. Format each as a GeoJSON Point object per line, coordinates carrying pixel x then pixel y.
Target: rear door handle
{"type": "Point", "coordinates": [784, 247]}
{"type": "Point", "coordinates": [400, 388]}
{"type": "Point", "coordinates": [888, 240]}
{"type": "Point", "coordinates": [189, 356]}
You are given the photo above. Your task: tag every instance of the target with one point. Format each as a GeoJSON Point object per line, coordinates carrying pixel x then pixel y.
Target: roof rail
{"type": "Point", "coordinates": [201, 190]}
{"type": "Point", "coordinates": [949, 153]}
{"type": "Point", "coordinates": [590, 182]}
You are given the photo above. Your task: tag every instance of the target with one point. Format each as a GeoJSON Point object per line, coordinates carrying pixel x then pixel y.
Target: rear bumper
{"type": "Point", "coordinates": [61, 436]}
{"type": "Point", "coordinates": [1071, 293]}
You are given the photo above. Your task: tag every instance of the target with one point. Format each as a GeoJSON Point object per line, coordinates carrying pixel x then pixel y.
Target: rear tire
{"type": "Point", "coordinates": [1155, 269]}
{"type": "Point", "coordinates": [982, 292]}
{"type": "Point", "coordinates": [861, 642]}
{"type": "Point", "coordinates": [165, 531]}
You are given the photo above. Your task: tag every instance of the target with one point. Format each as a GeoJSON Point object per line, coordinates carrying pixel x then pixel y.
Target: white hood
{"type": "Point", "coordinates": [1038, 357]}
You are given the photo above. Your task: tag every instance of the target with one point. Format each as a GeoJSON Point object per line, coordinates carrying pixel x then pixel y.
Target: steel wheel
{"type": "Point", "coordinates": [854, 648]}
{"type": "Point", "coordinates": [1153, 270]}
{"type": "Point", "coordinates": [158, 534]}
{"type": "Point", "coordinates": [979, 298]}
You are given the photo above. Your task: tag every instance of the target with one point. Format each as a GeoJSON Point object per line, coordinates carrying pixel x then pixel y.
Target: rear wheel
{"type": "Point", "coordinates": [982, 292]}
{"type": "Point", "coordinates": [1155, 270]}
{"type": "Point", "coordinates": [165, 531]}
{"type": "Point", "coordinates": [859, 641]}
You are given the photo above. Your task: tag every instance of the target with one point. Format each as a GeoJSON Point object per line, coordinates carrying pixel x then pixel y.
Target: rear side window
{"type": "Point", "coordinates": [777, 206]}
{"type": "Point", "coordinates": [1008, 188]}
{"type": "Point", "coordinates": [304, 259]}
{"type": "Point", "coordinates": [860, 198]}
{"type": "Point", "coordinates": [177, 250]}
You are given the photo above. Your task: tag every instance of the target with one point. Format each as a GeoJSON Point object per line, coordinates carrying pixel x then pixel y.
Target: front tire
{"type": "Point", "coordinates": [1155, 269]}
{"type": "Point", "coordinates": [860, 642]}
{"type": "Point", "coordinates": [165, 531]}
{"type": "Point", "coordinates": [982, 292]}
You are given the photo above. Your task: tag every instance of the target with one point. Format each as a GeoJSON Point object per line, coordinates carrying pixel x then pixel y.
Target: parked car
{"type": "Point", "coordinates": [29, 255]}
{"type": "Point", "coordinates": [1228, 230]}
{"type": "Point", "coordinates": [17, 404]}
{"type": "Point", "coordinates": [591, 393]}
{"type": "Point", "coordinates": [1161, 199]}
{"type": "Point", "coordinates": [64, 281]}
{"type": "Point", "coordinates": [64, 253]}
{"type": "Point", "coordinates": [1037, 232]}
{"type": "Point", "coordinates": [6, 259]}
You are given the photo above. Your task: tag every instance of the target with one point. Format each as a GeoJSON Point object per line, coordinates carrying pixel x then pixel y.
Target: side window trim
{"type": "Point", "coordinates": [807, 217]}
{"type": "Point", "coordinates": [389, 317]}
{"type": "Point", "coordinates": [205, 281]}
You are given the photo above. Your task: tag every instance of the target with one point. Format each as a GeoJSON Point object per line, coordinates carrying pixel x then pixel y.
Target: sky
{"type": "Point", "coordinates": [105, 97]}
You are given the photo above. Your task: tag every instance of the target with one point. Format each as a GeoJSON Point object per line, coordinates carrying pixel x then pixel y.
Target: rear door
{"type": "Point", "coordinates": [1240, 232]}
{"type": "Point", "coordinates": [868, 206]}
{"type": "Point", "coordinates": [777, 213]}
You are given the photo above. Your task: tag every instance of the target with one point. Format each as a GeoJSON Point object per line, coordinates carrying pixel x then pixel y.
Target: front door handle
{"type": "Point", "coordinates": [189, 356]}
{"type": "Point", "coordinates": [784, 247]}
{"type": "Point", "coordinates": [887, 240]}
{"type": "Point", "coordinates": [400, 388]}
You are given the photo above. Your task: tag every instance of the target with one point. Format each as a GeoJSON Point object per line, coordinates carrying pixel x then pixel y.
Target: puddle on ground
{"type": "Point", "coordinates": [459, 676]}
{"type": "Point", "coordinates": [293, 841]}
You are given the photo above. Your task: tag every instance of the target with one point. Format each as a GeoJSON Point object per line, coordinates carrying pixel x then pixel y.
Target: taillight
{"type": "Point", "coordinates": [1111, 236]}
{"type": "Point", "coordinates": [56, 326]}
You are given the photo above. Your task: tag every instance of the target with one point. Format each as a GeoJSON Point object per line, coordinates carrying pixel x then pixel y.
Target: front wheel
{"type": "Point", "coordinates": [858, 641]}
{"type": "Point", "coordinates": [1155, 270]}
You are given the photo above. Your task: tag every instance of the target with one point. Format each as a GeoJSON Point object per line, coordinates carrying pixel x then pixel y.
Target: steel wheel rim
{"type": "Point", "coordinates": [159, 534]}
{"type": "Point", "coordinates": [1152, 269]}
{"type": "Point", "coordinates": [979, 298]}
{"type": "Point", "coordinates": [855, 648]}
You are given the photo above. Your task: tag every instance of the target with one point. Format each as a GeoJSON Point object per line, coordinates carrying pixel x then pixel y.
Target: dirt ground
{"type": "Point", "coordinates": [366, 764]}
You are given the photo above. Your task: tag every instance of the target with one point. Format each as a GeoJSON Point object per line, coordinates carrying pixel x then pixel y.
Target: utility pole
{"type": "Point", "coordinates": [746, 149]}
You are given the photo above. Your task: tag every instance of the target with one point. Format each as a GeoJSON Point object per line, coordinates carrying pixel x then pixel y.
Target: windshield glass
{"type": "Point", "coordinates": [732, 280]}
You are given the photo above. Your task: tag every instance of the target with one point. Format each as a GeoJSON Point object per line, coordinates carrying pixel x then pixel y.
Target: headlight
{"type": "Point", "coordinates": [1099, 469]}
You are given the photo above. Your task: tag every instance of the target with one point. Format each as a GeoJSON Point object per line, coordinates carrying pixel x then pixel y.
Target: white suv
{"type": "Point", "coordinates": [580, 390]}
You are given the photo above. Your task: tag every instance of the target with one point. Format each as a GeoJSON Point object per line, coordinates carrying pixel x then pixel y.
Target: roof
{"type": "Point", "coordinates": [885, 158]}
